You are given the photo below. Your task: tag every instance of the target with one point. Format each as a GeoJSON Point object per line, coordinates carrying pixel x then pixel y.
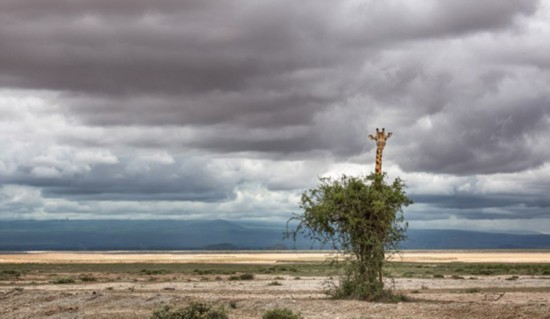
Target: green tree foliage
{"type": "Point", "coordinates": [361, 218]}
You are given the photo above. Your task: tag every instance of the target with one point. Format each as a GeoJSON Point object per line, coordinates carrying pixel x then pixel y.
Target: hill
{"type": "Point", "coordinates": [217, 235]}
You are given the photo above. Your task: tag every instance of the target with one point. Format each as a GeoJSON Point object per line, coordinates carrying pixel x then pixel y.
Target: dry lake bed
{"type": "Point", "coordinates": [439, 284]}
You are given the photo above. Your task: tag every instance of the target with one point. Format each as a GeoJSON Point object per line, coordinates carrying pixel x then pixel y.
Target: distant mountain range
{"type": "Point", "coordinates": [218, 235]}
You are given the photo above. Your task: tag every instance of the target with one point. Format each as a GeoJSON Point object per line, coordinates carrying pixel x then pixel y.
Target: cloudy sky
{"type": "Point", "coordinates": [230, 109]}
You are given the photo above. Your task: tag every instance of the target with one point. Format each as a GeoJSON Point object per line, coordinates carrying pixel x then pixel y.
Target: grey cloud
{"type": "Point", "coordinates": [477, 201]}
{"type": "Point", "coordinates": [484, 139]}
{"type": "Point", "coordinates": [508, 213]}
{"type": "Point", "coordinates": [171, 50]}
{"type": "Point", "coordinates": [387, 22]}
{"type": "Point", "coordinates": [475, 206]}
{"type": "Point", "coordinates": [185, 180]}
{"type": "Point", "coordinates": [246, 65]}
{"type": "Point", "coordinates": [246, 109]}
{"type": "Point", "coordinates": [471, 15]}
{"type": "Point", "coordinates": [461, 83]}
{"type": "Point", "coordinates": [460, 115]}
{"type": "Point", "coordinates": [98, 47]}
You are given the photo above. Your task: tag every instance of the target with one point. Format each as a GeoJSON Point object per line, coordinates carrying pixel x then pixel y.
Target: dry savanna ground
{"type": "Point", "coordinates": [459, 284]}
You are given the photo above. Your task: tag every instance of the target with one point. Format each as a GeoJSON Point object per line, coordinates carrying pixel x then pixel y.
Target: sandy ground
{"type": "Point", "coordinates": [138, 297]}
{"type": "Point", "coordinates": [267, 258]}
{"type": "Point", "coordinates": [126, 296]}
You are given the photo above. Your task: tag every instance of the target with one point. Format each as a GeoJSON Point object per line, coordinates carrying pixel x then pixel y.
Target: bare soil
{"type": "Point", "coordinates": [35, 295]}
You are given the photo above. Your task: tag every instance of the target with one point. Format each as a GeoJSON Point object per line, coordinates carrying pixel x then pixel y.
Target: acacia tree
{"type": "Point", "coordinates": [361, 218]}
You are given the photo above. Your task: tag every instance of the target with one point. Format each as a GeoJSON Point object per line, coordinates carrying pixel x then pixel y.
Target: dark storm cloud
{"type": "Point", "coordinates": [471, 16]}
{"type": "Point", "coordinates": [484, 201]}
{"type": "Point", "coordinates": [484, 139]}
{"type": "Point", "coordinates": [186, 180]}
{"type": "Point", "coordinates": [247, 63]}
{"type": "Point", "coordinates": [167, 47]}
{"type": "Point", "coordinates": [512, 213]}
{"type": "Point", "coordinates": [246, 109]}
{"type": "Point", "coordinates": [99, 47]}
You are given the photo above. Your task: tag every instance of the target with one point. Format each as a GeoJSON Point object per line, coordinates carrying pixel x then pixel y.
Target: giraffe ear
{"type": "Point", "coordinates": [389, 135]}
{"type": "Point", "coordinates": [372, 137]}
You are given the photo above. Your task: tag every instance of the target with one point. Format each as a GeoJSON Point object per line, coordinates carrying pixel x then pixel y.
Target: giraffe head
{"type": "Point", "coordinates": [381, 137]}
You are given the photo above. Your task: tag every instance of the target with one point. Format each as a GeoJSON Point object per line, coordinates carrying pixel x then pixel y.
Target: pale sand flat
{"type": "Point", "coordinates": [268, 257]}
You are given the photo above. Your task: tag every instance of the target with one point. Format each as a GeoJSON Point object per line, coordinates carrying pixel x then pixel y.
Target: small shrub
{"type": "Point", "coordinates": [389, 296]}
{"type": "Point", "coordinates": [10, 274]}
{"type": "Point", "coordinates": [246, 277]}
{"type": "Point", "coordinates": [384, 296]}
{"type": "Point", "coordinates": [64, 280]}
{"type": "Point", "coordinates": [15, 273]}
{"type": "Point", "coordinates": [267, 270]}
{"type": "Point", "coordinates": [242, 277]}
{"type": "Point", "coordinates": [233, 304]}
{"type": "Point", "coordinates": [154, 272]}
{"type": "Point", "coordinates": [472, 290]}
{"type": "Point", "coordinates": [512, 278]}
{"type": "Point", "coordinates": [195, 310]}
{"type": "Point", "coordinates": [203, 272]}
{"type": "Point", "coordinates": [274, 283]}
{"type": "Point", "coordinates": [87, 278]}
{"type": "Point", "coordinates": [416, 291]}
{"type": "Point", "coordinates": [279, 313]}
{"type": "Point", "coordinates": [438, 276]}
{"type": "Point", "coordinates": [457, 277]}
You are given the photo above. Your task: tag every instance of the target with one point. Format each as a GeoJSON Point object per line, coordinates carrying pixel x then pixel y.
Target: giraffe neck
{"type": "Point", "coordinates": [378, 168]}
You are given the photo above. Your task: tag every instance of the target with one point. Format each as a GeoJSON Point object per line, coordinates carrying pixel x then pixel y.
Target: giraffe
{"type": "Point", "coordinates": [380, 139]}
